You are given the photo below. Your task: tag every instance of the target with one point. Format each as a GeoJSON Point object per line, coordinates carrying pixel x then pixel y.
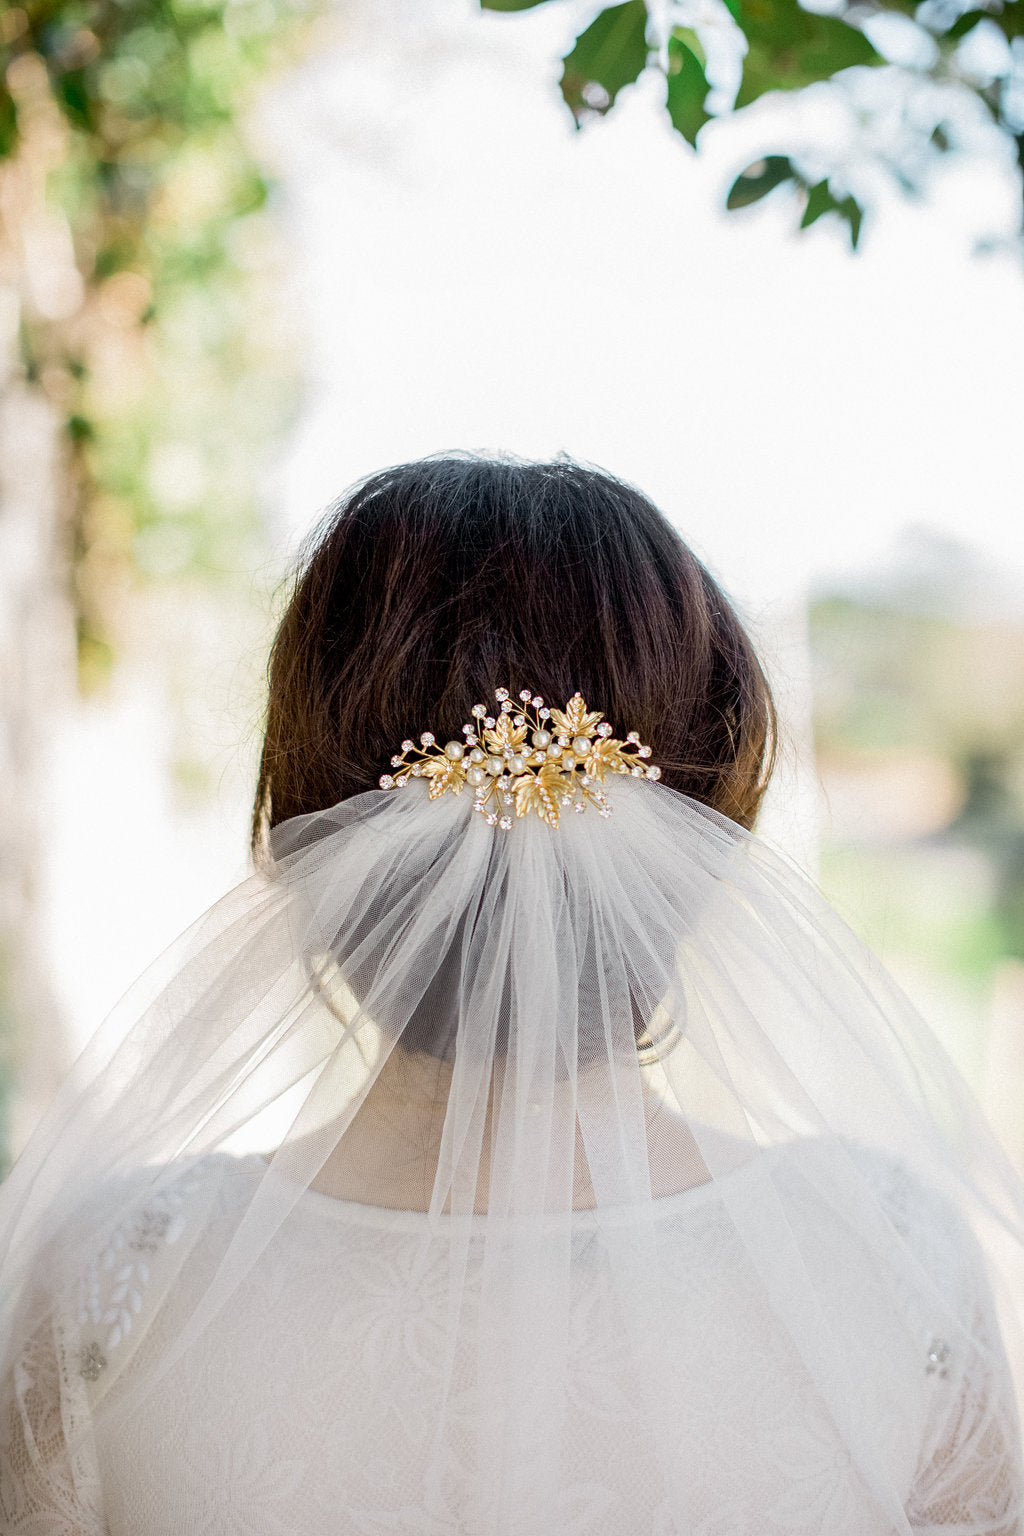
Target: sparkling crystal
{"type": "Point", "coordinates": [479, 710]}
{"type": "Point", "coordinates": [518, 720]}
{"type": "Point", "coordinates": [403, 778]}
{"type": "Point", "coordinates": [491, 819]}
{"type": "Point", "coordinates": [604, 729]}
{"type": "Point", "coordinates": [633, 736]}
{"type": "Point", "coordinates": [505, 822]}
{"type": "Point", "coordinates": [396, 762]}
{"type": "Point", "coordinates": [427, 739]}
{"type": "Point", "coordinates": [579, 808]}
{"type": "Point", "coordinates": [637, 772]}
{"type": "Point", "coordinates": [545, 714]}
{"type": "Point", "coordinates": [407, 746]}
{"type": "Point", "coordinates": [654, 772]}
{"type": "Point", "coordinates": [500, 694]}
{"type": "Point", "coordinates": [386, 781]}
{"type": "Point", "coordinates": [525, 695]}
{"type": "Point", "coordinates": [605, 812]}
{"type": "Point", "coordinates": [536, 701]}
{"type": "Point", "coordinates": [645, 752]}
{"type": "Point", "coordinates": [489, 723]}
{"type": "Point", "coordinates": [938, 1353]}
{"type": "Point", "coordinates": [467, 730]}
{"type": "Point", "coordinates": [506, 708]}
{"type": "Point", "coordinates": [563, 741]}
{"type": "Point", "coordinates": [91, 1362]}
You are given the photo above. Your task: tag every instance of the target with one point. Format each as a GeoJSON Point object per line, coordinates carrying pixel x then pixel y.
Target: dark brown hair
{"type": "Point", "coordinates": [433, 583]}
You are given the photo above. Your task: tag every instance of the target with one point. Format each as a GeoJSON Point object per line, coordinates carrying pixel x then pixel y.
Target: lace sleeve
{"type": "Point", "coordinates": [49, 1480]}
{"type": "Point", "coordinates": [970, 1474]}
{"type": "Point", "coordinates": [970, 1479]}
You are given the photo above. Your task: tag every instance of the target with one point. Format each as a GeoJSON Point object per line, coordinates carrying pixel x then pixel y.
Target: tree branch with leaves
{"type": "Point", "coordinates": [786, 47]}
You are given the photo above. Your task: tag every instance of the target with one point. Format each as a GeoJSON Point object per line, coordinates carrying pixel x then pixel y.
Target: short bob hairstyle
{"type": "Point", "coordinates": [435, 582]}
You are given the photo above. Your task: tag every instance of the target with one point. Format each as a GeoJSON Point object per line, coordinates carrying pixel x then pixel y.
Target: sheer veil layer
{"type": "Point", "coordinates": [449, 1180]}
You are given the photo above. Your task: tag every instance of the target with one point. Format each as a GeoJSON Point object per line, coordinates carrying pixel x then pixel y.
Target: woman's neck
{"type": "Point", "coordinates": [391, 1152]}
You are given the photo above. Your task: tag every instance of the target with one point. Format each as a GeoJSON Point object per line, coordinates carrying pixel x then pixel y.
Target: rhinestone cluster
{"type": "Point", "coordinates": [525, 757]}
{"type": "Point", "coordinates": [938, 1358]}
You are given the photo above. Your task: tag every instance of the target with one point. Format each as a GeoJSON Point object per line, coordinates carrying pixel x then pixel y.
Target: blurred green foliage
{"type": "Point", "coordinates": [926, 667]}
{"type": "Point", "coordinates": [785, 46]}
{"type": "Point", "coordinates": [133, 234]}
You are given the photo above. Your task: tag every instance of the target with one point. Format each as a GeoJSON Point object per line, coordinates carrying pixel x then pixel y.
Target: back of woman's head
{"type": "Point", "coordinates": [435, 582]}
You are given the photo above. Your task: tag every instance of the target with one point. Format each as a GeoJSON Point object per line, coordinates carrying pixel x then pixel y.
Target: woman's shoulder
{"type": "Point", "coordinates": [891, 1202]}
{"type": "Point", "coordinates": [131, 1238]}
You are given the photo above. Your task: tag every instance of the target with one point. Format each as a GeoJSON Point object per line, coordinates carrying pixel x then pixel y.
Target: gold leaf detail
{"type": "Point", "coordinates": [504, 734]}
{"type": "Point", "coordinates": [605, 755]}
{"type": "Point", "coordinates": [533, 794]}
{"type": "Point", "coordinates": [443, 775]}
{"type": "Point", "coordinates": [575, 719]}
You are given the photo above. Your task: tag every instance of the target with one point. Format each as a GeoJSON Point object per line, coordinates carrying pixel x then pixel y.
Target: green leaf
{"type": "Point", "coordinates": [790, 48]}
{"type": "Point", "coordinates": [80, 429]}
{"type": "Point", "coordinates": [759, 179]}
{"type": "Point", "coordinates": [72, 89]}
{"type": "Point", "coordinates": [8, 125]}
{"type": "Point", "coordinates": [967, 22]}
{"type": "Point", "coordinates": [821, 199]}
{"type": "Point", "coordinates": [687, 86]}
{"type": "Point", "coordinates": [611, 53]}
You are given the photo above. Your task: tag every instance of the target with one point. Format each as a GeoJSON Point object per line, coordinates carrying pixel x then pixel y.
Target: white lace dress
{"type": "Point", "coordinates": [302, 1413]}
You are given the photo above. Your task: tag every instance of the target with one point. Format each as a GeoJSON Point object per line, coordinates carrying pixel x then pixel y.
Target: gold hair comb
{"type": "Point", "coordinates": [525, 758]}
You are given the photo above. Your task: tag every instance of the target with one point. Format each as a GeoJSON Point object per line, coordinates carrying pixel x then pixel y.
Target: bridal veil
{"type": "Point", "coordinates": [709, 1219]}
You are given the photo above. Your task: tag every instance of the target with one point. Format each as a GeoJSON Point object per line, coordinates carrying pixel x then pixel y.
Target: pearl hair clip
{"type": "Point", "coordinates": [525, 758]}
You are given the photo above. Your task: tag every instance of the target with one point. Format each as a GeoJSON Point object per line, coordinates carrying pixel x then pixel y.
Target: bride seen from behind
{"type": "Point", "coordinates": [525, 1147]}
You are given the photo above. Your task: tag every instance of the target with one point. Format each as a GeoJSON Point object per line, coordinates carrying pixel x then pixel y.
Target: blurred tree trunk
{"type": "Point", "coordinates": [37, 635]}
{"type": "Point", "coordinates": [36, 677]}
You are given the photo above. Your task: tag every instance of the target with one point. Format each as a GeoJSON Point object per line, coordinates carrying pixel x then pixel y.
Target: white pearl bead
{"type": "Point", "coordinates": [495, 765]}
{"type": "Point", "coordinates": [581, 746]}
{"type": "Point", "coordinates": [475, 775]}
{"type": "Point", "coordinates": [554, 750]}
{"type": "Point", "coordinates": [477, 755]}
{"type": "Point", "coordinates": [541, 739]}
{"type": "Point", "coordinates": [454, 750]}
{"type": "Point", "coordinates": [517, 763]}
{"type": "Point", "coordinates": [568, 760]}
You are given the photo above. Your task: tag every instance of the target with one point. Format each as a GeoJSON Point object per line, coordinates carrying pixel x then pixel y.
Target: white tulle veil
{"type": "Point", "coordinates": [602, 1022]}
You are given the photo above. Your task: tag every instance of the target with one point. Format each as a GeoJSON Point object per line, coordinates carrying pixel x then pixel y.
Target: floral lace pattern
{"type": "Point", "coordinates": [307, 1408]}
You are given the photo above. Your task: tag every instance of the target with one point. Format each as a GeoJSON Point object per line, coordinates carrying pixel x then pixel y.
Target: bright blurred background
{"type": "Point", "coordinates": [291, 243]}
